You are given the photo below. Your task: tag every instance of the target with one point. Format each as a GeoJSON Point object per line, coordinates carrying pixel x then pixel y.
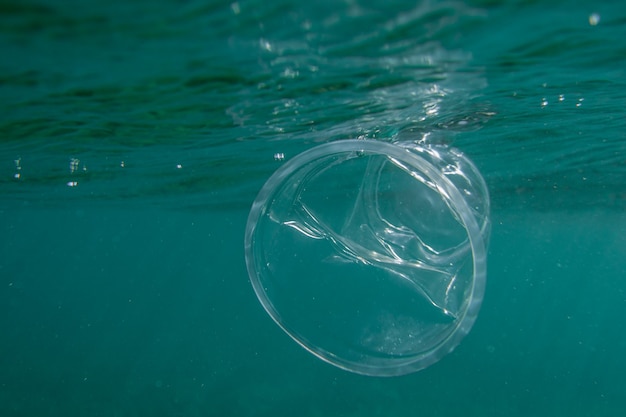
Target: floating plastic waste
{"type": "Point", "coordinates": [372, 255]}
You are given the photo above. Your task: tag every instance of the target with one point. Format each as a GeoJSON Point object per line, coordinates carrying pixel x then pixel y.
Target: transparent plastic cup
{"type": "Point", "coordinates": [372, 255]}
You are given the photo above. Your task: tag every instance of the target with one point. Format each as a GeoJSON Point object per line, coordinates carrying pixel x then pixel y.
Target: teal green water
{"type": "Point", "coordinates": [135, 136]}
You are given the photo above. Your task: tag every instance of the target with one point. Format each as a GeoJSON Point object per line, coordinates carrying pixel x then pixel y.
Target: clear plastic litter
{"type": "Point", "coordinates": [372, 255]}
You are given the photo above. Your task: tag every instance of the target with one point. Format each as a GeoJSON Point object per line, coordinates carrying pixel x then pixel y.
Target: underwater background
{"type": "Point", "coordinates": [136, 134]}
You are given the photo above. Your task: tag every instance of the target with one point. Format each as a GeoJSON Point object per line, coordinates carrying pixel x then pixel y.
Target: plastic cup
{"type": "Point", "coordinates": [372, 255]}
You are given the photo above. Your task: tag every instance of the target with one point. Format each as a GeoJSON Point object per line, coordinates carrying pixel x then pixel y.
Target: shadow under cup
{"type": "Point", "coordinates": [371, 255]}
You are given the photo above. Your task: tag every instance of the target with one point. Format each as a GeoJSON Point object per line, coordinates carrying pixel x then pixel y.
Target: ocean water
{"type": "Point", "coordinates": [136, 134]}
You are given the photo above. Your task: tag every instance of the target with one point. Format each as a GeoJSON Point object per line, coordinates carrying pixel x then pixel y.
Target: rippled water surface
{"type": "Point", "coordinates": [136, 134]}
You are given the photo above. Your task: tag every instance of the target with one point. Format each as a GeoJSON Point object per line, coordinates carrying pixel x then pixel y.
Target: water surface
{"type": "Point", "coordinates": [135, 136]}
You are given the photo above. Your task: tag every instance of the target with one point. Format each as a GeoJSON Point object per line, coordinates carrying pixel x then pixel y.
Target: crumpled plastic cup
{"type": "Point", "coordinates": [372, 255]}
